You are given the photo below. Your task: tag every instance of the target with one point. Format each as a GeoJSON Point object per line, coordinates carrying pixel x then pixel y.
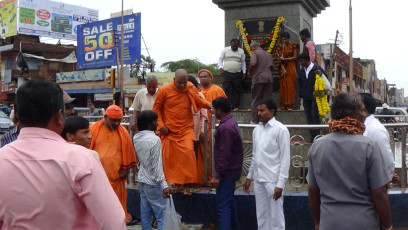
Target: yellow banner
{"type": "Point", "coordinates": [8, 18]}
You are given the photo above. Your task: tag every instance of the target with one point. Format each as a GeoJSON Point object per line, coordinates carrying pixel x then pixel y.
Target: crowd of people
{"type": "Point", "coordinates": [64, 173]}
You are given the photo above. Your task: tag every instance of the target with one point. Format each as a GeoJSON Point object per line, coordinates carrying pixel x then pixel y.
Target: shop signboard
{"type": "Point", "coordinates": [103, 97]}
{"type": "Point", "coordinates": [85, 75]}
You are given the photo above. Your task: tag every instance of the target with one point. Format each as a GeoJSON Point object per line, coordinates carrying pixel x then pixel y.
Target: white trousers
{"type": "Point", "coordinates": [269, 213]}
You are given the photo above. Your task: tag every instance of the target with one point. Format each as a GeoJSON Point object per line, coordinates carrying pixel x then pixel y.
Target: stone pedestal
{"type": "Point", "coordinates": [298, 13]}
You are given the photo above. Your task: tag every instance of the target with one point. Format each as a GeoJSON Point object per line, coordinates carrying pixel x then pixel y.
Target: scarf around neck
{"type": "Point", "coordinates": [347, 125]}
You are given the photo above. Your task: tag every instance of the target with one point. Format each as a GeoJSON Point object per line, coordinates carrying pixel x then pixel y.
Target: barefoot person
{"type": "Point", "coordinates": [112, 141]}
{"type": "Point", "coordinates": [176, 128]}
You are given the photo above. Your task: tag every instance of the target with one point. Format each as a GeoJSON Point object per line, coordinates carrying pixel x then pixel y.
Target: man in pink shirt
{"type": "Point", "coordinates": [47, 183]}
{"type": "Point", "coordinates": [308, 45]}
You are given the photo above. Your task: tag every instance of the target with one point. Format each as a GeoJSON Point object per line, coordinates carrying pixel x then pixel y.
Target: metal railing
{"type": "Point", "coordinates": [300, 147]}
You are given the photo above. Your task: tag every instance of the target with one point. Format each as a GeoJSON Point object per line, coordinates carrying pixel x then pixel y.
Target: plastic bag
{"type": "Point", "coordinates": [172, 220]}
{"type": "Point", "coordinates": [326, 83]}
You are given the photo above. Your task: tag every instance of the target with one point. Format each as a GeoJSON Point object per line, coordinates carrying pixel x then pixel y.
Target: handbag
{"type": "Point", "coordinates": [172, 220]}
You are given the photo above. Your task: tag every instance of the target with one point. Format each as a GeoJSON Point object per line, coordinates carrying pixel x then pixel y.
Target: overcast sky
{"type": "Point", "coordinates": [181, 29]}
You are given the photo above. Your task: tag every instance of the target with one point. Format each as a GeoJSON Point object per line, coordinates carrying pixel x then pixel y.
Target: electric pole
{"type": "Point", "coordinates": [121, 61]}
{"type": "Point", "coordinates": [332, 53]}
{"type": "Point", "coordinates": [331, 67]}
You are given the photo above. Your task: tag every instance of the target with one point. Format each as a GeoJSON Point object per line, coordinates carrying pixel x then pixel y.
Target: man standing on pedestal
{"type": "Point", "coordinates": [306, 79]}
{"type": "Point", "coordinates": [261, 66]}
{"type": "Point", "coordinates": [308, 45]}
{"type": "Point", "coordinates": [176, 129]}
{"type": "Point", "coordinates": [232, 67]}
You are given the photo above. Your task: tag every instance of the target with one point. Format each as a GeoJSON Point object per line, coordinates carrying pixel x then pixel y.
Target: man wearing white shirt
{"type": "Point", "coordinates": [144, 100]}
{"type": "Point", "coordinates": [376, 131]}
{"type": "Point", "coordinates": [269, 167]}
{"type": "Point", "coordinates": [233, 68]}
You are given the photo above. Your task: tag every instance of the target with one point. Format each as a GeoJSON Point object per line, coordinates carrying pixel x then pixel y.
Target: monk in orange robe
{"type": "Point", "coordinates": [117, 155]}
{"type": "Point", "coordinates": [210, 92]}
{"type": "Point", "coordinates": [173, 105]}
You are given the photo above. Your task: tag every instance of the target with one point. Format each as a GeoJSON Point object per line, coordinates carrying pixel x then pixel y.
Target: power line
{"type": "Point", "coordinates": [147, 49]}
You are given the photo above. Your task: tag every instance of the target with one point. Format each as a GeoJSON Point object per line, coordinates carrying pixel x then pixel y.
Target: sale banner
{"type": "Point", "coordinates": [98, 42]}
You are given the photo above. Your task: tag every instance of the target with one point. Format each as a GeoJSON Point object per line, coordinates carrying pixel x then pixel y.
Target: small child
{"type": "Point", "coordinates": [153, 187]}
{"type": "Point", "coordinates": [76, 130]}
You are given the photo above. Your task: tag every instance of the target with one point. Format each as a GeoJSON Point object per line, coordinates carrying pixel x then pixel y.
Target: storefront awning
{"type": "Point", "coordinates": [91, 91]}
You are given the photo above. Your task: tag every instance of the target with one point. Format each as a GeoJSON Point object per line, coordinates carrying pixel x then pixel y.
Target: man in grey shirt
{"type": "Point", "coordinates": [260, 69]}
{"type": "Point", "coordinates": [152, 183]}
{"type": "Point", "coordinates": [347, 178]}
{"type": "Point", "coordinates": [92, 110]}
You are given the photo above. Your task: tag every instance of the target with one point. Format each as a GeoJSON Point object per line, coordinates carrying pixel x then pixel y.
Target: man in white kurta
{"type": "Point", "coordinates": [269, 167]}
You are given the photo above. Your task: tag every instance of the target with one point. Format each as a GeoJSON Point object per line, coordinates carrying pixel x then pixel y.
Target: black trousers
{"type": "Point", "coordinates": [312, 116]}
{"type": "Point", "coordinates": [231, 84]}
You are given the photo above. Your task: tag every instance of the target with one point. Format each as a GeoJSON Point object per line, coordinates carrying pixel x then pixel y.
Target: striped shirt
{"type": "Point", "coordinates": [148, 150]}
{"type": "Point", "coordinates": [10, 136]}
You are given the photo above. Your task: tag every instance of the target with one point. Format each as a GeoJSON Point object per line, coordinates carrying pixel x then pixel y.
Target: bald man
{"type": "Point", "coordinates": [176, 129]}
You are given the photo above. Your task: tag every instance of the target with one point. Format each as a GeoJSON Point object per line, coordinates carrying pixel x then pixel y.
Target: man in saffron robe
{"type": "Point", "coordinates": [112, 142]}
{"type": "Point", "coordinates": [210, 92]}
{"type": "Point", "coordinates": [176, 128]}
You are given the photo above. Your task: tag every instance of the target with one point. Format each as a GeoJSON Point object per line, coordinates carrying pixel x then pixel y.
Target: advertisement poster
{"type": "Point", "coordinates": [52, 19]}
{"type": "Point", "coordinates": [96, 46]}
{"type": "Point", "coordinates": [8, 18]}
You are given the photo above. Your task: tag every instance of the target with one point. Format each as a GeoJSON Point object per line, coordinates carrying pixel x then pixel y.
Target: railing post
{"type": "Point", "coordinates": [212, 144]}
{"type": "Point", "coordinates": [205, 151]}
{"type": "Point", "coordinates": [403, 158]}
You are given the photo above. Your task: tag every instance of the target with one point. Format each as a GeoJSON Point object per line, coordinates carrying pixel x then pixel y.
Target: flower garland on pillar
{"type": "Point", "coordinates": [271, 39]}
{"type": "Point", "coordinates": [320, 93]}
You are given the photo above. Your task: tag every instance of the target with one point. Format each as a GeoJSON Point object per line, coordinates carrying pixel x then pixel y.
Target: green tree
{"type": "Point", "coordinates": [190, 65]}
{"type": "Point", "coordinates": [139, 69]}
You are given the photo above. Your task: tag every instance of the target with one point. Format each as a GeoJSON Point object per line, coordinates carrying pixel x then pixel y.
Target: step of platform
{"type": "Point", "coordinates": [285, 116]}
{"type": "Point", "coordinates": [296, 117]}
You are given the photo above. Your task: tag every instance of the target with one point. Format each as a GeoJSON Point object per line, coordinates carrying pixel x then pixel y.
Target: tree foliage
{"type": "Point", "coordinates": [190, 65]}
{"type": "Point", "coordinates": [139, 69]}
